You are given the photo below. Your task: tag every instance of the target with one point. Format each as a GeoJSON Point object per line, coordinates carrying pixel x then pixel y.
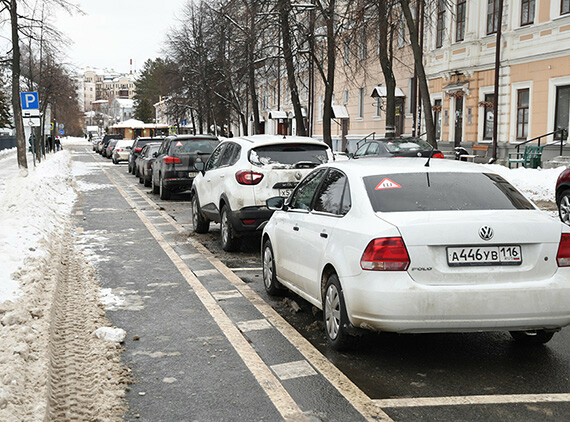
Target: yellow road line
{"type": "Point", "coordinates": [470, 400]}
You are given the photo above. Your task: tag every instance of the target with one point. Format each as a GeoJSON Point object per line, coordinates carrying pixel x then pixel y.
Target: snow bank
{"type": "Point", "coordinates": [32, 209]}
{"type": "Point", "coordinates": [537, 184]}
{"type": "Point", "coordinates": [5, 153]}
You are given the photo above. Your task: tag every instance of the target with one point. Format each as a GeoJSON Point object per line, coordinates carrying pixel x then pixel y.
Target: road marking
{"type": "Point", "coordinates": [230, 294]}
{"type": "Point", "coordinates": [246, 269]}
{"type": "Point", "coordinates": [254, 325]}
{"type": "Point", "coordinates": [79, 213]}
{"type": "Point", "coordinates": [202, 273]}
{"type": "Point", "coordinates": [470, 400]}
{"type": "Point", "coordinates": [190, 256]}
{"type": "Point", "coordinates": [280, 398]}
{"type": "Point", "coordinates": [291, 370]}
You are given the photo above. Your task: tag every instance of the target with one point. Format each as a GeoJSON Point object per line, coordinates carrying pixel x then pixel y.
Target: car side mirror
{"type": "Point", "coordinates": [276, 203]}
{"type": "Point", "coordinates": [199, 165]}
{"type": "Point", "coordinates": [155, 154]}
{"type": "Point", "coordinates": [350, 155]}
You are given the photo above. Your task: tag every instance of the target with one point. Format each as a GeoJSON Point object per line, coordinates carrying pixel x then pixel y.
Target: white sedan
{"type": "Point", "coordinates": [393, 245]}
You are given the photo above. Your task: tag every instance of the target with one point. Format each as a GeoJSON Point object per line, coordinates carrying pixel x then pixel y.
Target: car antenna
{"type": "Point", "coordinates": [430, 155]}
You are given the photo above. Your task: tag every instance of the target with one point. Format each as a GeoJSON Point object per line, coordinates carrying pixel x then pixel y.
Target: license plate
{"type": "Point", "coordinates": [285, 192]}
{"type": "Point", "coordinates": [488, 255]}
{"type": "Point", "coordinates": [193, 174]}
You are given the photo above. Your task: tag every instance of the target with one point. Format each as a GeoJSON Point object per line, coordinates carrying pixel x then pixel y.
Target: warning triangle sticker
{"type": "Point", "coordinates": [387, 184]}
{"type": "Point", "coordinates": [178, 144]}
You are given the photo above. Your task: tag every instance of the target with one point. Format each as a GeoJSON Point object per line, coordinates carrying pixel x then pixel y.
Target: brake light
{"type": "Point", "coordinates": [385, 254]}
{"type": "Point", "coordinates": [138, 149]}
{"type": "Point", "coordinates": [438, 155]}
{"type": "Point", "coordinates": [248, 177]}
{"type": "Point", "coordinates": [248, 222]}
{"type": "Point", "coordinates": [563, 257]}
{"type": "Point", "coordinates": [172, 160]}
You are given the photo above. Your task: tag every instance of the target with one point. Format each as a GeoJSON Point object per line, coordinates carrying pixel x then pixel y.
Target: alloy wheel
{"type": "Point", "coordinates": [565, 209]}
{"type": "Point", "coordinates": [267, 267]}
{"type": "Point", "coordinates": [332, 311]}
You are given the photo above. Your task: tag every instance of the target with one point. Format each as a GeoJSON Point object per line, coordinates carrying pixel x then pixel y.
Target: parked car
{"type": "Point", "coordinates": [173, 169]}
{"type": "Point", "coordinates": [242, 174]}
{"type": "Point", "coordinates": [397, 147]}
{"type": "Point", "coordinates": [95, 140]}
{"type": "Point", "coordinates": [563, 196]}
{"type": "Point", "coordinates": [393, 245]}
{"type": "Point", "coordinates": [122, 150]}
{"type": "Point", "coordinates": [143, 163]}
{"type": "Point", "coordinates": [108, 151]}
{"type": "Point", "coordinates": [106, 139]}
{"type": "Point", "coordinates": [138, 145]}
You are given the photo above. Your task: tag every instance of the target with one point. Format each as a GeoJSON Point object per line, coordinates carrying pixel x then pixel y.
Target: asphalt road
{"type": "Point", "coordinates": [429, 377]}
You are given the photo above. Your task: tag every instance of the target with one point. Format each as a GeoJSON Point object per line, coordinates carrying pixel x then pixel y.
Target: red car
{"type": "Point", "coordinates": [563, 196]}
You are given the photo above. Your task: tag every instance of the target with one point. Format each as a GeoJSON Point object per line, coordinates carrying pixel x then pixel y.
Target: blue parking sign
{"type": "Point", "coordinates": [62, 132]}
{"type": "Point", "coordinates": [30, 100]}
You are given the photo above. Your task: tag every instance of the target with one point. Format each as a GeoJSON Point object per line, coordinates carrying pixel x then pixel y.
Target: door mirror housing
{"type": "Point", "coordinates": [276, 203]}
{"type": "Point", "coordinates": [199, 165]}
{"type": "Point", "coordinates": [350, 155]}
{"type": "Point", "coordinates": [155, 154]}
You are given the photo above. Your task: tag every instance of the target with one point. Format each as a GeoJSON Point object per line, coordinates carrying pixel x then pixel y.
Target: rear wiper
{"type": "Point", "coordinates": [304, 165]}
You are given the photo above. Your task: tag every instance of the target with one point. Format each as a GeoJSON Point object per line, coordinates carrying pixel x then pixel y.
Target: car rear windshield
{"type": "Point", "coordinates": [193, 146]}
{"type": "Point", "coordinates": [405, 145]}
{"type": "Point", "coordinates": [442, 192]}
{"type": "Point", "coordinates": [289, 155]}
{"type": "Point", "coordinates": [143, 142]}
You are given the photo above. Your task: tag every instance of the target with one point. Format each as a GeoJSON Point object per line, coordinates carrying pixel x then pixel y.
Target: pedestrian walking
{"type": "Point", "coordinates": [57, 143]}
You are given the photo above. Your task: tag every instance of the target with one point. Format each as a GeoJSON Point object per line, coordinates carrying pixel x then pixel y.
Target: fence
{"type": "Point", "coordinates": [7, 142]}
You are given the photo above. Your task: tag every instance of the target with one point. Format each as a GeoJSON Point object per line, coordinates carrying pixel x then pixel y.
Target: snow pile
{"type": "Point", "coordinates": [537, 184]}
{"type": "Point", "coordinates": [114, 335]}
{"type": "Point", "coordinates": [5, 153]}
{"type": "Point", "coordinates": [32, 209]}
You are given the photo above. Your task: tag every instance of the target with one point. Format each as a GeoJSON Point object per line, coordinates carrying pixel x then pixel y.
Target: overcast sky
{"type": "Point", "coordinates": [114, 31]}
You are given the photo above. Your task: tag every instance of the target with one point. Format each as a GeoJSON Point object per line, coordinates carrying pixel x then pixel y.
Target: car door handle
{"type": "Point", "coordinates": [296, 228]}
{"type": "Point", "coordinates": [324, 235]}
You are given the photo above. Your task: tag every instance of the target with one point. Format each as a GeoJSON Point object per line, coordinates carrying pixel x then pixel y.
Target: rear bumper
{"type": "Point", "coordinates": [117, 156]}
{"type": "Point", "coordinates": [394, 302]}
{"type": "Point", "coordinates": [178, 184]}
{"type": "Point", "coordinates": [247, 220]}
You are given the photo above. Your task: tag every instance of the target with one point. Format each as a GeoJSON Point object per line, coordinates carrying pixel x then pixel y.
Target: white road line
{"type": "Point", "coordinates": [280, 398]}
{"type": "Point", "coordinates": [254, 325]}
{"type": "Point", "coordinates": [470, 400]}
{"type": "Point", "coordinates": [230, 294]}
{"type": "Point", "coordinates": [291, 370]}
{"type": "Point", "coordinates": [246, 269]}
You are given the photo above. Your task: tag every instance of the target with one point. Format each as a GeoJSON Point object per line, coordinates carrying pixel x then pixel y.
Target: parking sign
{"type": "Point", "coordinates": [30, 100]}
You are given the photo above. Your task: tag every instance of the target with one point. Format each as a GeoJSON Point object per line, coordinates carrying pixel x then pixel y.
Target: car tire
{"type": "Point", "coordinates": [229, 241]}
{"type": "Point", "coordinates": [272, 286]}
{"type": "Point", "coordinates": [115, 161]}
{"type": "Point", "coordinates": [163, 193]}
{"type": "Point", "coordinates": [334, 314]}
{"type": "Point", "coordinates": [199, 223]}
{"type": "Point", "coordinates": [155, 188]}
{"type": "Point", "coordinates": [146, 182]}
{"type": "Point", "coordinates": [532, 337]}
{"type": "Point", "coordinates": [564, 207]}
{"type": "Point", "coordinates": [130, 170]}
{"type": "Point", "coordinates": [141, 180]}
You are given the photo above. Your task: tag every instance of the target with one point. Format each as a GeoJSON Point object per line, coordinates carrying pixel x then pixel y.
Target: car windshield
{"type": "Point", "coordinates": [152, 149]}
{"type": "Point", "coordinates": [404, 145]}
{"type": "Point", "coordinates": [442, 192]}
{"type": "Point", "coordinates": [289, 155]}
{"type": "Point", "coordinates": [193, 146]}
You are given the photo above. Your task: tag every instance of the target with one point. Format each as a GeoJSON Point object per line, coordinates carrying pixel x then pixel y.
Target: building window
{"type": "Point", "coordinates": [492, 16]}
{"type": "Point", "coordinates": [564, 7]}
{"type": "Point", "coordinates": [562, 114]}
{"type": "Point", "coordinates": [345, 97]}
{"type": "Point", "coordinates": [361, 102]}
{"type": "Point", "coordinates": [378, 106]}
{"type": "Point", "coordinates": [363, 50]}
{"type": "Point", "coordinates": [522, 113]}
{"type": "Point", "coordinates": [460, 28]}
{"type": "Point", "coordinates": [527, 12]}
{"type": "Point", "coordinates": [440, 23]}
{"type": "Point", "coordinates": [437, 118]}
{"type": "Point", "coordinates": [488, 116]}
{"type": "Point", "coordinates": [321, 104]}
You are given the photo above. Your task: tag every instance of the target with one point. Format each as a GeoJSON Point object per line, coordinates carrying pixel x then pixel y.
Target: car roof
{"type": "Point", "coordinates": [261, 140]}
{"type": "Point", "coordinates": [183, 137]}
{"type": "Point", "coordinates": [392, 165]}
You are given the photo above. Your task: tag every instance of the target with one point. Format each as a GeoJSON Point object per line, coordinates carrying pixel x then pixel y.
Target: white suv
{"type": "Point", "coordinates": [242, 173]}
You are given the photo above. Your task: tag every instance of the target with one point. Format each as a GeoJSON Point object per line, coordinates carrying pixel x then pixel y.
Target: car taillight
{"type": "Point", "coordinates": [563, 256]}
{"type": "Point", "coordinates": [248, 177]}
{"type": "Point", "coordinates": [438, 155]}
{"type": "Point", "coordinates": [149, 165]}
{"type": "Point", "coordinates": [386, 254]}
{"type": "Point", "coordinates": [172, 160]}
{"type": "Point", "coordinates": [138, 149]}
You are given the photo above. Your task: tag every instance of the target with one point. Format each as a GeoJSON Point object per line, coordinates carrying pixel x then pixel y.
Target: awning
{"type": "Point", "coordinates": [303, 113]}
{"type": "Point", "coordinates": [456, 86]}
{"type": "Point", "coordinates": [277, 114]}
{"type": "Point", "coordinates": [340, 112]}
{"type": "Point", "coordinates": [380, 91]}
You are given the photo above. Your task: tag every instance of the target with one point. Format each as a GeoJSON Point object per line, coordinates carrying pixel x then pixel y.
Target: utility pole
{"type": "Point", "coordinates": [311, 111]}
{"type": "Point", "coordinates": [497, 68]}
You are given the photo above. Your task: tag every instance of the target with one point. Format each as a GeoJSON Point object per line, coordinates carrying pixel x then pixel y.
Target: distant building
{"type": "Point", "coordinates": [97, 85]}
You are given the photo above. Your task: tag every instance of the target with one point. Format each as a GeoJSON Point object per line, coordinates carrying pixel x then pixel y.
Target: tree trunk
{"type": "Point", "coordinates": [329, 83]}
{"type": "Point", "coordinates": [284, 8]}
{"type": "Point", "coordinates": [252, 90]}
{"type": "Point", "coordinates": [386, 64]}
{"type": "Point", "coordinates": [422, 79]}
{"type": "Point", "coordinates": [16, 105]}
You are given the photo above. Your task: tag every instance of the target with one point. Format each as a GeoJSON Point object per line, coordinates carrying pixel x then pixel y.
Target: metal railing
{"type": "Point", "coordinates": [563, 137]}
{"type": "Point", "coordinates": [373, 134]}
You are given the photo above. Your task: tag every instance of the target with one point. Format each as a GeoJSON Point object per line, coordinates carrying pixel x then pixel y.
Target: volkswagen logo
{"type": "Point", "coordinates": [486, 233]}
{"type": "Point", "coordinates": [298, 175]}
